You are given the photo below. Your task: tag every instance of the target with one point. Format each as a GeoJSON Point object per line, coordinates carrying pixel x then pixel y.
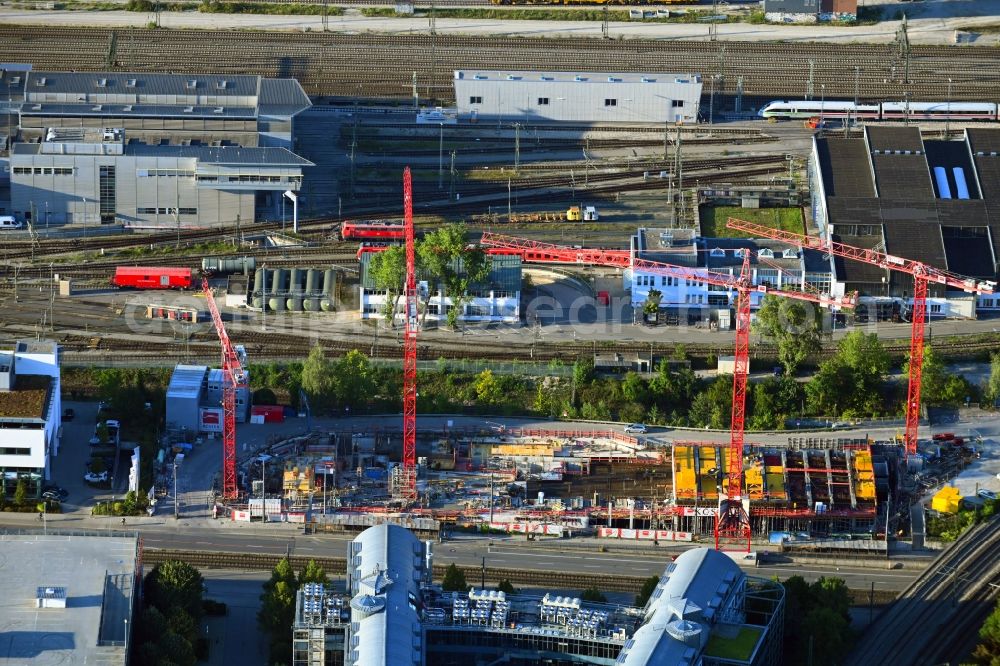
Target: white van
{"type": "Point", "coordinates": [8, 222]}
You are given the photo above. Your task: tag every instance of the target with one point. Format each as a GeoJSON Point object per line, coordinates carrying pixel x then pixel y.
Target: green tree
{"type": "Point", "coordinates": [506, 587]}
{"type": "Point", "coordinates": [454, 580]}
{"type": "Point", "coordinates": [313, 573]}
{"type": "Point", "coordinates": [646, 591]}
{"type": "Point", "coordinates": [277, 611]}
{"type": "Point", "coordinates": [634, 387]}
{"type": "Point", "coordinates": [21, 492]}
{"type": "Point", "coordinates": [318, 379]}
{"type": "Point", "coordinates": [387, 270]}
{"type": "Point", "coordinates": [652, 303]}
{"type": "Point", "coordinates": [354, 383]}
{"type": "Point", "coordinates": [450, 259]}
{"type": "Point", "coordinates": [827, 636]}
{"type": "Point", "coordinates": [264, 396]}
{"type": "Point", "coordinates": [488, 390]}
{"type": "Point", "coordinates": [713, 407]}
{"type": "Point", "coordinates": [987, 652]}
{"type": "Point", "coordinates": [992, 389]}
{"type": "Point", "coordinates": [583, 371]}
{"type": "Point", "coordinates": [593, 595]}
{"type": "Point", "coordinates": [175, 584]}
{"type": "Point", "coordinates": [794, 328]}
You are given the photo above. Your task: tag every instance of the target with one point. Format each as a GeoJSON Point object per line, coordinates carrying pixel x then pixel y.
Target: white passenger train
{"type": "Point", "coordinates": [882, 111]}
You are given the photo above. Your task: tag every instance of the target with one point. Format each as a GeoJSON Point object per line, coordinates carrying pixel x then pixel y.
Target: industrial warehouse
{"type": "Point", "coordinates": [578, 96]}
{"type": "Point", "coordinates": [152, 150]}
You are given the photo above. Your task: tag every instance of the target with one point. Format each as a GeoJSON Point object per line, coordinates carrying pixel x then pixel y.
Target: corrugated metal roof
{"type": "Point", "coordinates": [232, 155]}
{"type": "Point", "coordinates": [501, 76]}
{"type": "Point", "coordinates": [178, 111]}
{"type": "Point", "coordinates": [186, 381]}
{"type": "Point", "coordinates": [386, 556]}
{"type": "Point", "coordinates": [505, 273]}
{"type": "Point", "coordinates": [144, 83]}
{"type": "Point", "coordinates": [282, 97]}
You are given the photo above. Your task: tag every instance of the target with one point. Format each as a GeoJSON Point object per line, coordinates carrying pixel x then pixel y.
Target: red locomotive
{"type": "Point", "coordinates": [152, 277]}
{"type": "Point", "coordinates": [371, 230]}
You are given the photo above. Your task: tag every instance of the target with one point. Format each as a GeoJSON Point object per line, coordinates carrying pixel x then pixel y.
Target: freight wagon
{"type": "Point", "coordinates": [152, 277]}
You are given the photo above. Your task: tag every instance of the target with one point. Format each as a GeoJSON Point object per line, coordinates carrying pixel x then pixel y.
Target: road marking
{"type": "Point", "coordinates": [205, 543]}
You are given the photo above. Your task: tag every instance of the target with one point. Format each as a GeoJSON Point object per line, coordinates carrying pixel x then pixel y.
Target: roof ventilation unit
{"type": "Point", "coordinates": [479, 77]}
{"type": "Point", "coordinates": [102, 83]}
{"type": "Point", "coordinates": [41, 82]}
{"type": "Point", "coordinates": [222, 85]}
{"type": "Point", "coordinates": [192, 84]}
{"type": "Point", "coordinates": [188, 109]}
{"type": "Point", "coordinates": [130, 83]}
{"type": "Point", "coordinates": [646, 79]}
{"type": "Point", "coordinates": [579, 78]}
{"type": "Point", "coordinates": [614, 79]}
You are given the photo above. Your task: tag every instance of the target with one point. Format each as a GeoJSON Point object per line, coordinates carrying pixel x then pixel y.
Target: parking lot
{"type": "Point", "coordinates": [70, 465]}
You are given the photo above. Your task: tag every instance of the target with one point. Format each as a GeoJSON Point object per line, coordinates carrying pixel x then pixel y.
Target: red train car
{"type": "Point", "coordinates": [372, 230]}
{"type": "Point", "coordinates": [152, 277]}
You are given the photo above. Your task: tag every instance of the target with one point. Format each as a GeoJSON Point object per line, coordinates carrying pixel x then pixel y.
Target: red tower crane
{"type": "Point", "coordinates": [233, 376]}
{"type": "Point", "coordinates": [732, 523]}
{"type": "Point", "coordinates": [410, 347]}
{"type": "Point", "coordinates": [922, 275]}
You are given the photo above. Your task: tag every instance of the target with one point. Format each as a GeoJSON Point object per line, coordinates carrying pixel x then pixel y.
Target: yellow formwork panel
{"type": "Point", "coordinates": [708, 460]}
{"type": "Point", "coordinates": [864, 476]}
{"type": "Point", "coordinates": [684, 476]}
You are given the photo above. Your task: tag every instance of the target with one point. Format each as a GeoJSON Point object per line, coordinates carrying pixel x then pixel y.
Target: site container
{"type": "Point", "coordinates": [152, 277]}
{"type": "Point", "coordinates": [271, 413]}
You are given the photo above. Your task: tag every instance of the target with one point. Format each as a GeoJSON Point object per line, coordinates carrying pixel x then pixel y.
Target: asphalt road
{"type": "Point", "coordinates": [504, 553]}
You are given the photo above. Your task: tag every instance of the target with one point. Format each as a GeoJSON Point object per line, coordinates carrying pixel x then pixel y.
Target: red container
{"type": "Point", "coordinates": [271, 413]}
{"type": "Point", "coordinates": [152, 277]}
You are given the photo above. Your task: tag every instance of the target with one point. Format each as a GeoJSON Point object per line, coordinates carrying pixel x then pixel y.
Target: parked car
{"type": "Point", "coordinates": [636, 429]}
{"type": "Point", "coordinates": [944, 436]}
{"type": "Point", "coordinates": [987, 494]}
{"type": "Point", "coordinates": [68, 414]}
{"type": "Point", "coordinates": [54, 493]}
{"type": "Point", "coordinates": [90, 477]}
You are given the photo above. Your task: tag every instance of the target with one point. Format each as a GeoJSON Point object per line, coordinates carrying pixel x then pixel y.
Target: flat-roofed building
{"type": "Point", "coordinates": [930, 200]}
{"type": "Point", "coordinates": [591, 97]}
{"type": "Point", "coordinates": [152, 150]}
{"type": "Point", "coordinates": [68, 599]}
{"type": "Point", "coordinates": [30, 414]}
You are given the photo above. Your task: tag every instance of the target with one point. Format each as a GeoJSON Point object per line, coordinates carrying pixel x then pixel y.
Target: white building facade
{"type": "Point", "coordinates": [30, 413]}
{"type": "Point", "coordinates": [578, 96]}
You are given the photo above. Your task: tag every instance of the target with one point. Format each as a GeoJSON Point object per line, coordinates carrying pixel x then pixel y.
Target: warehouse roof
{"type": "Point", "coordinates": [176, 111]}
{"type": "Point", "coordinates": [905, 216]}
{"type": "Point", "coordinates": [29, 399]}
{"type": "Point", "coordinates": [256, 156]}
{"type": "Point", "coordinates": [186, 382]}
{"type": "Point", "coordinates": [282, 97]}
{"type": "Point", "coordinates": [144, 83]}
{"type": "Point", "coordinates": [503, 76]}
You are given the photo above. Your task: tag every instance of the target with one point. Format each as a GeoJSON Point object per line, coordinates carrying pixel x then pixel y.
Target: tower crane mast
{"type": "Point", "coordinates": [233, 377]}
{"type": "Point", "coordinates": [923, 274]}
{"type": "Point", "coordinates": [412, 324]}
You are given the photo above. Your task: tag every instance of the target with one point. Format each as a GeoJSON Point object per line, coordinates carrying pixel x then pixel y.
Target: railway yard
{"type": "Point", "coordinates": [136, 232]}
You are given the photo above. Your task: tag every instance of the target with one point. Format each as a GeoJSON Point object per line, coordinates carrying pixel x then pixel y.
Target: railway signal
{"type": "Point", "coordinates": [732, 523]}
{"type": "Point", "coordinates": [921, 273]}
{"type": "Point", "coordinates": [233, 376]}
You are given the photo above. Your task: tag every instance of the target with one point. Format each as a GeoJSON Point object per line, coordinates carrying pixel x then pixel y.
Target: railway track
{"type": "Point", "coordinates": [325, 63]}
{"type": "Point", "coordinates": [950, 596]}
